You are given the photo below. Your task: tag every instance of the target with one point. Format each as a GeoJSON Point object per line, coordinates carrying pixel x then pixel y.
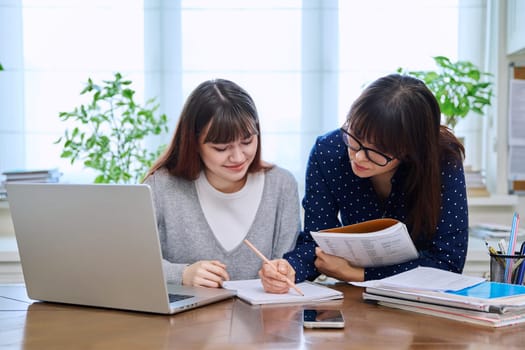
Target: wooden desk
{"type": "Point", "coordinates": [233, 324]}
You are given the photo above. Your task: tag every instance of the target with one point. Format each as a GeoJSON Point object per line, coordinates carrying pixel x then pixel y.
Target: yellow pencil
{"type": "Point", "coordinates": [495, 253]}
{"type": "Point", "coordinates": [256, 251]}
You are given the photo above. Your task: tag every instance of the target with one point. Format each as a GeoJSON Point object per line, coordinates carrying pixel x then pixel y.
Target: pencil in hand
{"type": "Point", "coordinates": [256, 251]}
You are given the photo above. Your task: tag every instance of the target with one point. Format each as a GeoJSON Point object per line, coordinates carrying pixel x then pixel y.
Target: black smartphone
{"type": "Point", "coordinates": [323, 318]}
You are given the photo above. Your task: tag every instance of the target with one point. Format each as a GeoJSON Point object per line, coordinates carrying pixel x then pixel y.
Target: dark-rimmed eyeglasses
{"type": "Point", "coordinates": [355, 145]}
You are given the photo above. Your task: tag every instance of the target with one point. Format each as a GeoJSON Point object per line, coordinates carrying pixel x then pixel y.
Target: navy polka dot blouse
{"type": "Point", "coordinates": [334, 197]}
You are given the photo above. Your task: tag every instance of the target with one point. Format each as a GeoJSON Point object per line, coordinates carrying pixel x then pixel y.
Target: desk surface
{"type": "Point", "coordinates": [233, 324]}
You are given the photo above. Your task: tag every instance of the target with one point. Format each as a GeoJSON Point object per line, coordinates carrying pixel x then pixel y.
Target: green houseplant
{"type": "Point", "coordinates": [108, 133]}
{"type": "Point", "coordinates": [460, 87]}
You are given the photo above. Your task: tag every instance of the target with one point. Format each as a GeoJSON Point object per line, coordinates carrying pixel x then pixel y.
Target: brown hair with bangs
{"type": "Point", "coordinates": [225, 112]}
{"type": "Point", "coordinates": [400, 116]}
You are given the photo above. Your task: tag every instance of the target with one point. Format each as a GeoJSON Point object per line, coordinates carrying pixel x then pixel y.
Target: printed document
{"type": "Point", "coordinates": [378, 242]}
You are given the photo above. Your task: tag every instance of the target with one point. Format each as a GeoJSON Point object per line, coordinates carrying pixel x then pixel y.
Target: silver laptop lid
{"type": "Point", "coordinates": [91, 244]}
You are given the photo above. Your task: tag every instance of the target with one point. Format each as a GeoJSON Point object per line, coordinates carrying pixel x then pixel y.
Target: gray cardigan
{"type": "Point", "coordinates": [186, 237]}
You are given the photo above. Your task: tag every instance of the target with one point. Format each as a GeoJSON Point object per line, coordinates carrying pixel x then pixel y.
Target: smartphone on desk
{"type": "Point", "coordinates": [321, 318]}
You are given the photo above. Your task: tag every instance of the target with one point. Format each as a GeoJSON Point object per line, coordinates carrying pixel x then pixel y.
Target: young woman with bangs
{"type": "Point", "coordinates": [391, 158]}
{"type": "Point", "coordinates": [212, 190]}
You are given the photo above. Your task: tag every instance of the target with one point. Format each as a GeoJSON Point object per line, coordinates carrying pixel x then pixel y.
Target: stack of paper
{"type": "Point", "coordinates": [252, 292]}
{"type": "Point", "coordinates": [489, 319]}
{"type": "Point", "coordinates": [485, 303]}
{"type": "Point", "coordinates": [38, 175]}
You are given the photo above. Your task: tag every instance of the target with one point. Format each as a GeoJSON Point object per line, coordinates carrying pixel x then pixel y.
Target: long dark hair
{"type": "Point", "coordinates": [401, 116]}
{"type": "Point", "coordinates": [223, 110]}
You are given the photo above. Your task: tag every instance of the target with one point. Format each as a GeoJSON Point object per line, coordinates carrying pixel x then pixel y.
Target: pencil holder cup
{"type": "Point", "coordinates": [507, 268]}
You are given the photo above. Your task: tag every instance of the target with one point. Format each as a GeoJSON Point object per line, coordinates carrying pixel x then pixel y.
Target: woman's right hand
{"type": "Point", "coordinates": [274, 279]}
{"type": "Point", "coordinates": [205, 273]}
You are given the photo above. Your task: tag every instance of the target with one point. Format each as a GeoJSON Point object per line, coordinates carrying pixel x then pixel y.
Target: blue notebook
{"type": "Point", "coordinates": [491, 290]}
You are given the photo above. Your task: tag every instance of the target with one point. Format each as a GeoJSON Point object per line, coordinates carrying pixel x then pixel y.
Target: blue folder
{"type": "Point", "coordinates": [491, 290]}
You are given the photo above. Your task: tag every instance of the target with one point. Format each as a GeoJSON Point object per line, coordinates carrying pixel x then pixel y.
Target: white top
{"type": "Point", "coordinates": [230, 215]}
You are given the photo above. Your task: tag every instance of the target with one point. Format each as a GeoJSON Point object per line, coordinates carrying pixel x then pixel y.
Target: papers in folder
{"type": "Point", "coordinates": [377, 242]}
{"type": "Point", "coordinates": [252, 292]}
{"type": "Point", "coordinates": [425, 278]}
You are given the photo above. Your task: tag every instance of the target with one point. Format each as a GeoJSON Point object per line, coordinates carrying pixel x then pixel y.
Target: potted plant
{"type": "Point", "coordinates": [460, 87]}
{"type": "Point", "coordinates": [109, 132]}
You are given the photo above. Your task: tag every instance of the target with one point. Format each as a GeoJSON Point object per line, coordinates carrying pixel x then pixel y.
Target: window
{"type": "Point", "coordinates": [63, 44]}
{"type": "Point", "coordinates": [303, 62]}
{"type": "Point", "coordinates": [379, 36]}
{"type": "Point", "coordinates": [258, 45]}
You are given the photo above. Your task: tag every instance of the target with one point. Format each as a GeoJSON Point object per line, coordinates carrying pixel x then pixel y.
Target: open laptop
{"type": "Point", "coordinates": [96, 245]}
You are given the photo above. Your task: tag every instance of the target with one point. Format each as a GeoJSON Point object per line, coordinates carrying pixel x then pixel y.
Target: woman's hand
{"type": "Point", "coordinates": [336, 267]}
{"type": "Point", "coordinates": [205, 273]}
{"type": "Point", "coordinates": [275, 281]}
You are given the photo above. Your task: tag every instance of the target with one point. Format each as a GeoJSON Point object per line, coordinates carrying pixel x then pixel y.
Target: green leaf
{"type": "Point", "coordinates": [90, 142]}
{"type": "Point", "coordinates": [128, 93]}
{"type": "Point", "coordinates": [100, 179]}
{"type": "Point", "coordinates": [66, 154]}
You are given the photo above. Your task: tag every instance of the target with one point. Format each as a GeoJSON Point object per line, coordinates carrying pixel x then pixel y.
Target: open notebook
{"type": "Point", "coordinates": [96, 245]}
{"type": "Point", "coordinates": [252, 292]}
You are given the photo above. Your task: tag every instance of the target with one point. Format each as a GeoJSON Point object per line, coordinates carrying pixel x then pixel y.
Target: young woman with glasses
{"type": "Point", "coordinates": [391, 158]}
{"type": "Point", "coordinates": [212, 190]}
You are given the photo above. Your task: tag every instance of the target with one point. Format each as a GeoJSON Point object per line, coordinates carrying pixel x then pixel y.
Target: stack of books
{"type": "Point", "coordinates": [493, 231]}
{"type": "Point", "coordinates": [475, 181]}
{"type": "Point", "coordinates": [37, 175]}
{"type": "Point", "coordinates": [489, 304]}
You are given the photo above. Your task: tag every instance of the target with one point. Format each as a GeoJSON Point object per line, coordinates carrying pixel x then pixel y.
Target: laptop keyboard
{"type": "Point", "coordinates": [177, 297]}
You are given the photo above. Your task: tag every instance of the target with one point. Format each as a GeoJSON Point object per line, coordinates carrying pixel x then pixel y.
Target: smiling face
{"type": "Point", "coordinates": [226, 164]}
{"type": "Point", "coordinates": [363, 167]}
{"type": "Point", "coordinates": [365, 158]}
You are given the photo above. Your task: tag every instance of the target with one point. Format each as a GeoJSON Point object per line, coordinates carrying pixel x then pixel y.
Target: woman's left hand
{"type": "Point", "coordinates": [338, 268]}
